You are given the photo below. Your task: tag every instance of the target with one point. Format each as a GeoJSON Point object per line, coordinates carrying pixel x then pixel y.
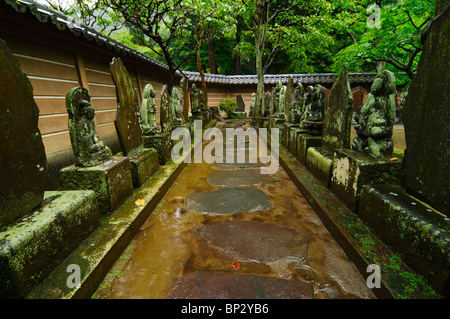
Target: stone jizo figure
{"type": "Point", "coordinates": [318, 104]}
{"type": "Point", "coordinates": [308, 99]}
{"type": "Point", "coordinates": [376, 118]}
{"type": "Point", "coordinates": [201, 100]}
{"type": "Point", "coordinates": [252, 106]}
{"type": "Point", "coordinates": [87, 148]}
{"type": "Point", "coordinates": [148, 112]}
{"type": "Point", "coordinates": [297, 107]}
{"type": "Point", "coordinates": [195, 100]}
{"type": "Point", "coordinates": [268, 103]}
{"type": "Point", "coordinates": [177, 108]}
{"type": "Point", "coordinates": [276, 97]}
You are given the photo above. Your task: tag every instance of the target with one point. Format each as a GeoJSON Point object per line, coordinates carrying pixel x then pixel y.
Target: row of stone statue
{"type": "Point", "coordinates": [307, 109]}
{"type": "Point", "coordinates": [302, 107]}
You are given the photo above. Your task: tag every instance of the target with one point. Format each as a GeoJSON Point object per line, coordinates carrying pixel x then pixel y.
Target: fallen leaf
{"type": "Point", "coordinates": [235, 265]}
{"type": "Point", "coordinates": [394, 159]}
{"type": "Point", "coordinates": [140, 202]}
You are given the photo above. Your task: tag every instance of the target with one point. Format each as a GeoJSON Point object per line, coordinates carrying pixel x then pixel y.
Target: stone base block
{"type": "Point", "coordinates": [144, 165]}
{"type": "Point", "coordinates": [319, 162]}
{"type": "Point", "coordinates": [285, 133]}
{"type": "Point", "coordinates": [352, 170]}
{"type": "Point", "coordinates": [276, 122]}
{"type": "Point", "coordinates": [111, 181]}
{"type": "Point", "coordinates": [35, 244]}
{"type": "Point", "coordinates": [241, 115]}
{"type": "Point", "coordinates": [292, 143]}
{"type": "Point", "coordinates": [411, 227]}
{"type": "Point", "coordinates": [263, 122]}
{"type": "Point", "coordinates": [305, 141]}
{"type": "Point", "coordinates": [162, 143]}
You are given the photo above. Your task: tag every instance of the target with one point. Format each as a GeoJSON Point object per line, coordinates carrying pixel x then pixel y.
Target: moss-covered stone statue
{"type": "Point", "coordinates": [318, 104]}
{"type": "Point", "coordinates": [201, 100]}
{"type": "Point", "coordinates": [195, 100]}
{"type": "Point", "coordinates": [308, 99]}
{"type": "Point", "coordinates": [276, 97]}
{"type": "Point", "coordinates": [376, 118]}
{"type": "Point", "coordinates": [177, 107]}
{"type": "Point", "coordinates": [297, 107]}
{"type": "Point", "coordinates": [148, 112]}
{"type": "Point", "coordinates": [252, 106]}
{"type": "Point", "coordinates": [88, 150]}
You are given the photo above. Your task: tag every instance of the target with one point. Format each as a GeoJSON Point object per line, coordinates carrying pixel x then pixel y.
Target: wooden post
{"type": "Point", "coordinates": [82, 78]}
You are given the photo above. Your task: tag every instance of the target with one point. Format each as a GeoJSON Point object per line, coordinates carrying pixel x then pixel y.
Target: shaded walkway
{"type": "Point", "coordinates": [271, 246]}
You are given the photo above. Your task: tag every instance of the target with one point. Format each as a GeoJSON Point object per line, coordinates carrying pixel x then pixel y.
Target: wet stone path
{"type": "Point", "coordinates": [227, 231]}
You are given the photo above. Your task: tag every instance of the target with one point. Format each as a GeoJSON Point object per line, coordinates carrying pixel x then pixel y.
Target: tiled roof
{"type": "Point", "coordinates": [322, 78]}
{"type": "Point", "coordinates": [63, 22]}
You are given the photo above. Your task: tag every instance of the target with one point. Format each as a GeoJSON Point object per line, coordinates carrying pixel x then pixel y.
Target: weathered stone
{"type": "Point", "coordinates": [313, 122]}
{"type": "Point", "coordinates": [128, 110]}
{"type": "Point", "coordinates": [177, 107]}
{"type": "Point", "coordinates": [229, 236]}
{"type": "Point", "coordinates": [32, 247]}
{"type": "Point", "coordinates": [426, 116]}
{"type": "Point", "coordinates": [376, 118]}
{"type": "Point", "coordinates": [166, 116]}
{"type": "Point", "coordinates": [240, 178]}
{"type": "Point", "coordinates": [308, 99]}
{"type": "Point", "coordinates": [195, 100]}
{"type": "Point", "coordinates": [267, 104]}
{"type": "Point", "coordinates": [206, 285]}
{"type": "Point", "coordinates": [293, 133]}
{"type": "Point", "coordinates": [162, 143]}
{"type": "Point", "coordinates": [319, 161]}
{"type": "Point", "coordinates": [184, 96]}
{"type": "Point", "coordinates": [338, 118]}
{"type": "Point", "coordinates": [305, 141]}
{"type": "Point", "coordinates": [336, 130]}
{"type": "Point", "coordinates": [23, 162]}
{"type": "Point", "coordinates": [421, 233]}
{"type": "Point", "coordinates": [352, 170]}
{"type": "Point", "coordinates": [298, 104]}
{"type": "Point", "coordinates": [240, 103]}
{"type": "Point", "coordinates": [88, 150]}
{"type": "Point", "coordinates": [285, 133]}
{"type": "Point", "coordinates": [229, 201]}
{"type": "Point", "coordinates": [149, 124]}
{"type": "Point", "coordinates": [111, 181]}
{"type": "Point", "coordinates": [144, 165]}
{"type": "Point", "coordinates": [288, 100]}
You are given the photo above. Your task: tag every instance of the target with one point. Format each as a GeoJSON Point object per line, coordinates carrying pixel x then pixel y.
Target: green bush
{"type": "Point", "coordinates": [228, 106]}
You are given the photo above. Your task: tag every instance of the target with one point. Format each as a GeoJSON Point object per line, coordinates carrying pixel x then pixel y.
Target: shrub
{"type": "Point", "coordinates": [228, 106]}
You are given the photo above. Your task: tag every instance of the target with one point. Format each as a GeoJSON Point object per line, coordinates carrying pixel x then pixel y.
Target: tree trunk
{"type": "Point", "coordinates": [237, 58]}
{"type": "Point", "coordinates": [199, 65]}
{"type": "Point", "coordinates": [212, 57]}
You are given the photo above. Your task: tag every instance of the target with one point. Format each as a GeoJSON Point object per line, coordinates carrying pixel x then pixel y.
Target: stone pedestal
{"type": "Point", "coordinates": [111, 181]}
{"type": "Point", "coordinates": [319, 161]}
{"type": "Point", "coordinates": [293, 133]}
{"type": "Point", "coordinates": [241, 115]}
{"type": "Point", "coordinates": [35, 244]}
{"type": "Point", "coordinates": [263, 122]}
{"type": "Point", "coordinates": [162, 143]}
{"type": "Point", "coordinates": [276, 121]}
{"type": "Point", "coordinates": [285, 133]}
{"type": "Point", "coordinates": [143, 165]}
{"type": "Point", "coordinates": [352, 170]}
{"type": "Point", "coordinates": [410, 226]}
{"type": "Point", "coordinates": [305, 141]}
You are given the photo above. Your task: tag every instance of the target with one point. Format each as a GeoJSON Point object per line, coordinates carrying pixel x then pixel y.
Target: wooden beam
{"type": "Point", "coordinates": [82, 78]}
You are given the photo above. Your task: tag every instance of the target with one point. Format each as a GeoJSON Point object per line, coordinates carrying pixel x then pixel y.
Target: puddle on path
{"type": "Point", "coordinates": [176, 247]}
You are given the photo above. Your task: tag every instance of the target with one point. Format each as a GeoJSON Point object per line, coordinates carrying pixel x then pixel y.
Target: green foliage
{"type": "Point", "coordinates": [228, 106]}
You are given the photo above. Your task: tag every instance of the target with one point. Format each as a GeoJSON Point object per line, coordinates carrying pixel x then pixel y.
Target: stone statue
{"type": "Point", "coordinates": [177, 108]}
{"type": "Point", "coordinates": [297, 107]}
{"type": "Point", "coordinates": [201, 100]}
{"type": "Point", "coordinates": [318, 104]}
{"type": "Point", "coordinates": [282, 101]}
{"type": "Point", "coordinates": [148, 112]}
{"type": "Point", "coordinates": [376, 118]}
{"type": "Point", "coordinates": [88, 150]}
{"type": "Point", "coordinates": [268, 103]}
{"type": "Point", "coordinates": [195, 102]}
{"type": "Point", "coordinates": [276, 97]}
{"type": "Point", "coordinates": [307, 105]}
{"type": "Point", "coordinates": [252, 106]}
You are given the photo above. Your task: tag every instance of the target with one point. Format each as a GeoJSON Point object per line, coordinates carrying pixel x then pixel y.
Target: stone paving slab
{"type": "Point", "coordinates": [240, 178]}
{"type": "Point", "coordinates": [229, 200]}
{"type": "Point", "coordinates": [238, 286]}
